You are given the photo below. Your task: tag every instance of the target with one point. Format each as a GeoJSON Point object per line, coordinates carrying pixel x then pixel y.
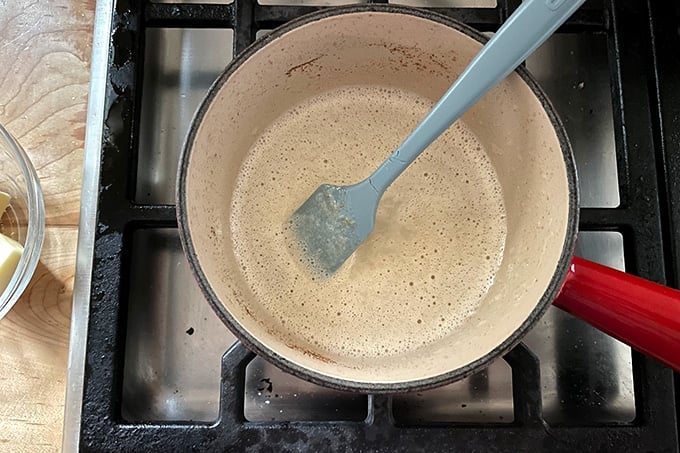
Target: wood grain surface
{"type": "Point", "coordinates": [44, 70]}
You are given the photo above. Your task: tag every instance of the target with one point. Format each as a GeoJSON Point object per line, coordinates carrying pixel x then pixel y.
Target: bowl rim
{"type": "Point", "coordinates": [35, 231]}
{"type": "Point", "coordinates": [251, 341]}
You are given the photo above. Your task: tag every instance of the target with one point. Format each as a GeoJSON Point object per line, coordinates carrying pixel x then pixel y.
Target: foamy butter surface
{"type": "Point", "coordinates": [439, 233]}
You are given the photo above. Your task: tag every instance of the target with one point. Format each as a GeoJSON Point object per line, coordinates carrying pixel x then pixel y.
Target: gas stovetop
{"type": "Point", "coordinates": [153, 369]}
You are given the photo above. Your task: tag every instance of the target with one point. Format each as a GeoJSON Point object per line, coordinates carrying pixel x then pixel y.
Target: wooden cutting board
{"type": "Point", "coordinates": [44, 71]}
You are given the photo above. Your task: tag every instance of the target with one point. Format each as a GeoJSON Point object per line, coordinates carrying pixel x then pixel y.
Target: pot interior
{"type": "Point", "coordinates": [387, 61]}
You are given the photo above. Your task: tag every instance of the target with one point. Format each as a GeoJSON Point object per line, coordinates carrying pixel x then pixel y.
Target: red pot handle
{"type": "Point", "coordinates": [642, 314]}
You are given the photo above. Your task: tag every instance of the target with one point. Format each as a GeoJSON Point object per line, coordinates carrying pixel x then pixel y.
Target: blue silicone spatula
{"type": "Point", "coordinates": [335, 220]}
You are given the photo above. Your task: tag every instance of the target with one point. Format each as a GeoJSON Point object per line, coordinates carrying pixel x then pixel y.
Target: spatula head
{"type": "Point", "coordinates": [333, 222]}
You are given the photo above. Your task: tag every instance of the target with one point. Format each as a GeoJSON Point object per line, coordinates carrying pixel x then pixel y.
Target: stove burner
{"type": "Point", "coordinates": [156, 375]}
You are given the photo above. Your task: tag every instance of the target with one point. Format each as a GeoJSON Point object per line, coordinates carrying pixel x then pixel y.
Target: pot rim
{"type": "Point", "coordinates": [250, 341]}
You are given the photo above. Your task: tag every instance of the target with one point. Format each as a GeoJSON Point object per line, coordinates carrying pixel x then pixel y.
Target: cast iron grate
{"type": "Point", "coordinates": [642, 40]}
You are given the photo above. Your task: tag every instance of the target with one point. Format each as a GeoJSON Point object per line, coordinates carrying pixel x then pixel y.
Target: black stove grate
{"type": "Point", "coordinates": [643, 38]}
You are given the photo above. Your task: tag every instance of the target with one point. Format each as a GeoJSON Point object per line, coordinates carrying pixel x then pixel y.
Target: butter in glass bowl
{"type": "Point", "coordinates": [22, 221]}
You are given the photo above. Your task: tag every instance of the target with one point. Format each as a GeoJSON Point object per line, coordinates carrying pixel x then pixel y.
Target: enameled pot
{"type": "Point", "coordinates": [420, 52]}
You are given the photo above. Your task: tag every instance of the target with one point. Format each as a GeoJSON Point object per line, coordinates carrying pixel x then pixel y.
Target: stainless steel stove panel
{"type": "Point", "coordinates": [448, 3]}
{"type": "Point", "coordinates": [194, 1]}
{"type": "Point", "coordinates": [586, 376]}
{"type": "Point", "coordinates": [174, 340]}
{"type": "Point", "coordinates": [272, 395]}
{"type": "Point", "coordinates": [178, 70]}
{"type": "Point", "coordinates": [484, 397]}
{"type": "Point", "coordinates": [573, 71]}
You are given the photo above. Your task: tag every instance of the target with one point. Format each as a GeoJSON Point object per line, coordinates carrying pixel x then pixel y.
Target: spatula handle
{"type": "Point", "coordinates": [526, 29]}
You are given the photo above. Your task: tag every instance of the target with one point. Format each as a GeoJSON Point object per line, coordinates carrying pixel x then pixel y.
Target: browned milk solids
{"type": "Point", "coordinates": [437, 244]}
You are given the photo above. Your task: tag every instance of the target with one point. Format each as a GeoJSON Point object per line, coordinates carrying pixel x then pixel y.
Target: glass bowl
{"type": "Point", "coordinates": [24, 219]}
